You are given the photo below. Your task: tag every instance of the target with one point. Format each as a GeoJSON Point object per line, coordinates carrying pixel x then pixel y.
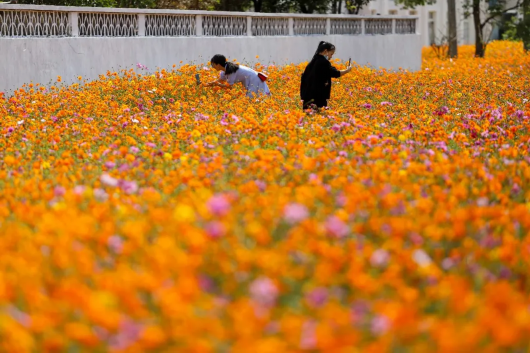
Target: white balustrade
{"type": "Point", "coordinates": [270, 26]}
{"type": "Point", "coordinates": [223, 26]}
{"type": "Point", "coordinates": [309, 26]}
{"type": "Point", "coordinates": [18, 23]}
{"type": "Point", "coordinates": [170, 26]}
{"type": "Point", "coordinates": [61, 21]}
{"type": "Point", "coordinates": [378, 26]}
{"type": "Point", "coordinates": [341, 26]}
{"type": "Point", "coordinates": [108, 25]}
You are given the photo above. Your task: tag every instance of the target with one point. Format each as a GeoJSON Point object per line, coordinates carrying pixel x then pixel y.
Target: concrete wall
{"type": "Point", "coordinates": [41, 60]}
{"type": "Point", "coordinates": [465, 28]}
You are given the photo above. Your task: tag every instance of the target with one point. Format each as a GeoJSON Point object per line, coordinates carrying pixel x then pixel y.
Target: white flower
{"type": "Point", "coordinates": [20, 122]}
{"type": "Point", "coordinates": [447, 263]}
{"type": "Point", "coordinates": [108, 180]}
{"type": "Point", "coordinates": [421, 258]}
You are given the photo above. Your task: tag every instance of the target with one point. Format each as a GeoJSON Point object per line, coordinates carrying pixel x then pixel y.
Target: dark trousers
{"type": "Point", "coordinates": [314, 103]}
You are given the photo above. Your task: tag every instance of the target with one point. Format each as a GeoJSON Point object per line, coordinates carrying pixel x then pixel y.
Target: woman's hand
{"type": "Point", "coordinates": [344, 72]}
{"type": "Point", "coordinates": [221, 84]}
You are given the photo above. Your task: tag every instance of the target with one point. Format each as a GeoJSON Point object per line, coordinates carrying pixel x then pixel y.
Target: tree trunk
{"type": "Point", "coordinates": [526, 24]}
{"type": "Point", "coordinates": [257, 5]}
{"type": "Point", "coordinates": [339, 10]}
{"type": "Point", "coordinates": [452, 34]}
{"type": "Point", "coordinates": [479, 42]}
{"type": "Point", "coordinates": [304, 8]}
{"type": "Point", "coordinates": [334, 6]}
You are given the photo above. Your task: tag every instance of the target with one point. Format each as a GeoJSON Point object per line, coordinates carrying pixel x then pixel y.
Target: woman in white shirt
{"type": "Point", "coordinates": [232, 73]}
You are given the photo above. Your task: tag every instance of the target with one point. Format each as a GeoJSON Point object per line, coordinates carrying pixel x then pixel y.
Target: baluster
{"type": "Point", "coordinates": [363, 23]}
{"type": "Point", "coordinates": [74, 22]}
{"type": "Point", "coordinates": [141, 25]}
{"type": "Point", "coordinates": [249, 26]}
{"type": "Point", "coordinates": [198, 25]}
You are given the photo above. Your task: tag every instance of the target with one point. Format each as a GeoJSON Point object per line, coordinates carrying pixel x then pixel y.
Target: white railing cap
{"type": "Point", "coordinates": [87, 9]}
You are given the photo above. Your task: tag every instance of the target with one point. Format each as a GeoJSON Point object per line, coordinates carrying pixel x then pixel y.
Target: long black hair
{"type": "Point", "coordinates": [324, 46]}
{"type": "Point", "coordinates": [221, 60]}
{"type": "Point", "coordinates": [321, 47]}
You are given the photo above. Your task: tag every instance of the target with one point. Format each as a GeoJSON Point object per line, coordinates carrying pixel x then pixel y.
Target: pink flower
{"type": "Point", "coordinates": [482, 202]}
{"type": "Point", "coordinates": [215, 229]}
{"type": "Point", "coordinates": [108, 180]}
{"type": "Point", "coordinates": [308, 339]}
{"type": "Point", "coordinates": [379, 258]}
{"type": "Point", "coordinates": [129, 187]}
{"type": "Point", "coordinates": [294, 213]}
{"type": "Point", "coordinates": [134, 149]}
{"type": "Point", "coordinates": [79, 189]}
{"type": "Point", "coordinates": [317, 297]}
{"type": "Point", "coordinates": [380, 325]}
{"type": "Point", "coordinates": [261, 185]}
{"type": "Point", "coordinates": [336, 128]}
{"type": "Point", "coordinates": [19, 316]}
{"type": "Point", "coordinates": [115, 243]}
{"type": "Point", "coordinates": [128, 333]}
{"type": "Point", "coordinates": [100, 194]}
{"type": "Point", "coordinates": [264, 291]}
{"type": "Point", "coordinates": [205, 283]}
{"type": "Point", "coordinates": [218, 205]}
{"type": "Point", "coordinates": [59, 191]}
{"type": "Point", "coordinates": [336, 227]}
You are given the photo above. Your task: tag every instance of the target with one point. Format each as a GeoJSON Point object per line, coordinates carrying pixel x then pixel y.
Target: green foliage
{"type": "Point", "coordinates": [353, 6]}
{"type": "Point", "coordinates": [511, 30]}
{"type": "Point", "coordinates": [273, 6]}
{"type": "Point", "coordinates": [94, 3]}
{"type": "Point", "coordinates": [186, 4]}
{"type": "Point", "coordinates": [232, 5]}
{"type": "Point", "coordinates": [411, 4]}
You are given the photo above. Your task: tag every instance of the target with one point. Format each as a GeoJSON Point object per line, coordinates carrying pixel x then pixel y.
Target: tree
{"type": "Point", "coordinates": [232, 5]}
{"type": "Point", "coordinates": [273, 5]}
{"type": "Point", "coordinates": [312, 6]}
{"type": "Point", "coordinates": [493, 11]}
{"type": "Point", "coordinates": [353, 6]}
{"type": "Point", "coordinates": [91, 3]}
{"type": "Point", "coordinates": [452, 33]}
{"type": "Point", "coordinates": [186, 4]}
{"type": "Point", "coordinates": [523, 27]}
{"type": "Point", "coordinates": [336, 6]}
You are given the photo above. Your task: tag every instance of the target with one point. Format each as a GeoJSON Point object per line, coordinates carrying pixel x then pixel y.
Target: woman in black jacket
{"type": "Point", "coordinates": [315, 88]}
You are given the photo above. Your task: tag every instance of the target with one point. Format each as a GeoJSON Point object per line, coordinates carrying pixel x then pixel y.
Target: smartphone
{"type": "Point", "coordinates": [349, 63]}
{"type": "Point", "coordinates": [198, 78]}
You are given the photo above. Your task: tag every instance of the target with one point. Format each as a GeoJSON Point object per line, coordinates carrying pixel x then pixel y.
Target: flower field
{"type": "Point", "coordinates": [143, 213]}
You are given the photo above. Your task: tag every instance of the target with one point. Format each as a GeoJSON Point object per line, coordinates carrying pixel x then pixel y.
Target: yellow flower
{"type": "Point", "coordinates": [184, 213]}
